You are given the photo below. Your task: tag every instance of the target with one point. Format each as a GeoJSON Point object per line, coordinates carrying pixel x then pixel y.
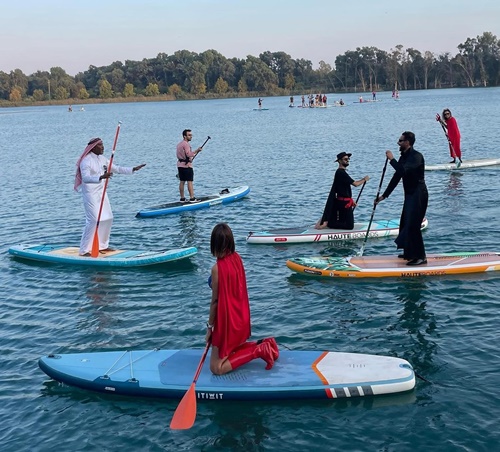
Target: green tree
{"type": "Point", "coordinates": [280, 63]}
{"type": "Point", "coordinates": [4, 85]}
{"type": "Point", "coordinates": [15, 94]}
{"type": "Point", "coordinates": [195, 77]}
{"type": "Point", "coordinates": [19, 81]}
{"type": "Point", "coordinates": [83, 93]}
{"type": "Point", "coordinates": [128, 91]}
{"type": "Point", "coordinates": [289, 81]}
{"type": "Point", "coordinates": [117, 77]}
{"type": "Point", "coordinates": [152, 90]}
{"type": "Point", "coordinates": [105, 90]}
{"type": "Point", "coordinates": [221, 86]}
{"type": "Point", "coordinates": [174, 90]}
{"type": "Point", "coordinates": [61, 93]}
{"type": "Point", "coordinates": [242, 86]}
{"type": "Point", "coordinates": [259, 76]}
{"type": "Point", "coordinates": [38, 95]}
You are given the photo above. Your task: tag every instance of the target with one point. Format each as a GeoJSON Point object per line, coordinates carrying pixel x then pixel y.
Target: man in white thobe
{"type": "Point", "coordinates": [91, 173]}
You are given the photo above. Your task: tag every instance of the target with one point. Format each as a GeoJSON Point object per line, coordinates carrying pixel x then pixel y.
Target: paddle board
{"type": "Point", "coordinates": [295, 375]}
{"type": "Point", "coordinates": [464, 165]}
{"type": "Point", "coordinates": [386, 266]}
{"type": "Point", "coordinates": [309, 234]}
{"type": "Point", "coordinates": [64, 254]}
{"type": "Point", "coordinates": [225, 196]}
{"type": "Point", "coordinates": [260, 109]}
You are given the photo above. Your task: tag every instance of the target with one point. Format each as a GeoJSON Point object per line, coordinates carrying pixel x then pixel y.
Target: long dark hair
{"type": "Point", "coordinates": [222, 241]}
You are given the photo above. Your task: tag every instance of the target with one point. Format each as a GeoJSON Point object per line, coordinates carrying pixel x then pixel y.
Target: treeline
{"type": "Point", "coordinates": [188, 74]}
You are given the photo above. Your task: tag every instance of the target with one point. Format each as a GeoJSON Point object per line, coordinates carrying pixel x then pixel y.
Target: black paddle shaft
{"type": "Point", "coordinates": [448, 138]}
{"type": "Point", "coordinates": [359, 194]}
{"type": "Point", "coordinates": [374, 207]}
{"type": "Point", "coordinates": [208, 138]}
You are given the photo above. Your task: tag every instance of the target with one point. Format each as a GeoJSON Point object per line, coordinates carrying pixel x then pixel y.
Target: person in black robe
{"type": "Point", "coordinates": [410, 167]}
{"type": "Point", "coordinates": [338, 212]}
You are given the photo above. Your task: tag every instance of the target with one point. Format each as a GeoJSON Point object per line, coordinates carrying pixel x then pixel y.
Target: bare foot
{"type": "Point", "coordinates": [85, 255]}
{"type": "Point", "coordinates": [321, 226]}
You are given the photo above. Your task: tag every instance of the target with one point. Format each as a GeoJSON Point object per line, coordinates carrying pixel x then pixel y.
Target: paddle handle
{"type": "Point", "coordinates": [201, 147]}
{"type": "Point", "coordinates": [202, 361]}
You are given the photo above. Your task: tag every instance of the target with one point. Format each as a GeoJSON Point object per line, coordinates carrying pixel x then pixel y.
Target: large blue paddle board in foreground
{"type": "Point", "coordinates": [225, 196]}
{"type": "Point", "coordinates": [63, 254]}
{"type": "Point", "coordinates": [295, 375]}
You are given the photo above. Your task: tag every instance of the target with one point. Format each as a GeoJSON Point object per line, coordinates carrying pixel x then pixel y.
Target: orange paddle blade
{"type": "Point", "coordinates": [185, 414]}
{"type": "Point", "coordinates": [95, 244]}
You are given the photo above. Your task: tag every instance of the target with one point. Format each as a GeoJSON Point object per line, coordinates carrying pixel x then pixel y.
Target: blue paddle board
{"type": "Point", "coordinates": [225, 196]}
{"type": "Point", "coordinates": [295, 375]}
{"type": "Point", "coordinates": [62, 254]}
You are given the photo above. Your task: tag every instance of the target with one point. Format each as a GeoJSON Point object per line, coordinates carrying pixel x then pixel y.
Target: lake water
{"type": "Point", "coordinates": [447, 328]}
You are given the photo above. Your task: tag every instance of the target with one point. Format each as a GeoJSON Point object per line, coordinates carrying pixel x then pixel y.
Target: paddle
{"type": "Point", "coordinates": [359, 195]}
{"type": "Point", "coordinates": [185, 414]}
{"type": "Point", "coordinates": [361, 251]}
{"type": "Point", "coordinates": [95, 243]}
{"type": "Point", "coordinates": [454, 155]}
{"type": "Point", "coordinates": [208, 138]}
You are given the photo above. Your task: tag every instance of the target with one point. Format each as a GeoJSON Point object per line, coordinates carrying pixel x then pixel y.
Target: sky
{"type": "Point", "coordinates": [40, 34]}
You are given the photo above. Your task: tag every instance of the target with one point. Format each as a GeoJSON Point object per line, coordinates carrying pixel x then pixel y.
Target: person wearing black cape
{"type": "Point", "coordinates": [410, 167]}
{"type": "Point", "coordinates": [338, 213]}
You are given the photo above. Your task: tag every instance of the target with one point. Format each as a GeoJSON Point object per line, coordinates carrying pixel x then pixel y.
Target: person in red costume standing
{"type": "Point", "coordinates": [450, 127]}
{"type": "Point", "coordinates": [228, 326]}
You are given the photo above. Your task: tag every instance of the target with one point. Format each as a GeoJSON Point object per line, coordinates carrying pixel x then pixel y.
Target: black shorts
{"type": "Point", "coordinates": [186, 174]}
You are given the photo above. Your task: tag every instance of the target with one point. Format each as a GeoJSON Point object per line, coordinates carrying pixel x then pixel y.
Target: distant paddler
{"type": "Point", "coordinates": [452, 132]}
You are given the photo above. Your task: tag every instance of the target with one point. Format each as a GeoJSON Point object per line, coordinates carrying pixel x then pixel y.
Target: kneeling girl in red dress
{"type": "Point", "coordinates": [228, 326]}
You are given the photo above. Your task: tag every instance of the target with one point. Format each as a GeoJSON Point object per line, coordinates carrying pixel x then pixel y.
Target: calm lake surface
{"type": "Point", "coordinates": [447, 328]}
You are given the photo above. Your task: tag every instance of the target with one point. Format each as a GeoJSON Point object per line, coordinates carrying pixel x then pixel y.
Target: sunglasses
{"type": "Point", "coordinates": [401, 141]}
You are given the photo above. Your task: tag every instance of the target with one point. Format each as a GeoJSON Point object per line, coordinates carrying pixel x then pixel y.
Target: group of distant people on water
{"type": "Point", "coordinates": [70, 108]}
{"type": "Point", "coordinates": [318, 100]}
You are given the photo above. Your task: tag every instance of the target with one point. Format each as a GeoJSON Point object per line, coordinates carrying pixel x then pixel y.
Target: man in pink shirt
{"type": "Point", "coordinates": [185, 158]}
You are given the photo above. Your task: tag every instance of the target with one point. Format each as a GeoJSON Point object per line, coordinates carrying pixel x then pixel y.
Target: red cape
{"type": "Point", "coordinates": [454, 135]}
{"type": "Point", "coordinates": [232, 325]}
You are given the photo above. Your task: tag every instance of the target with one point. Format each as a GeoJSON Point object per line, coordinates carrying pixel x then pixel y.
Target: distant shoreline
{"type": "Point", "coordinates": [184, 97]}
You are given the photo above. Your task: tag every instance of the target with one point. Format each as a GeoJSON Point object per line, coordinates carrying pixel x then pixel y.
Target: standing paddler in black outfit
{"type": "Point", "coordinates": [410, 167]}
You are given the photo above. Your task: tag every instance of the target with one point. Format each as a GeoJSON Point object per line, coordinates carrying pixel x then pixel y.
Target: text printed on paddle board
{"type": "Point", "coordinates": [209, 395]}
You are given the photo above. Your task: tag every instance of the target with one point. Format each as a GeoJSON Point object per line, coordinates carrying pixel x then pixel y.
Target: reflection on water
{"type": "Point", "coordinates": [455, 184]}
{"type": "Point", "coordinates": [188, 229]}
{"type": "Point", "coordinates": [102, 293]}
{"type": "Point", "coordinates": [418, 321]}
{"type": "Point", "coordinates": [240, 426]}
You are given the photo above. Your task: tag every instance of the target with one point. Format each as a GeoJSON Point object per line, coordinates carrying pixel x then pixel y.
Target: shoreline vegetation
{"type": "Point", "coordinates": [187, 75]}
